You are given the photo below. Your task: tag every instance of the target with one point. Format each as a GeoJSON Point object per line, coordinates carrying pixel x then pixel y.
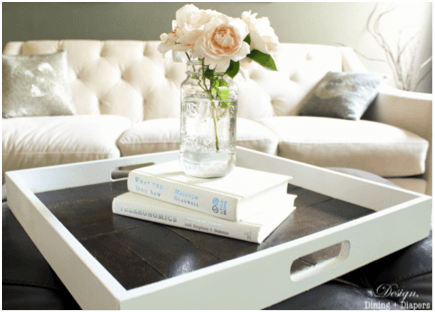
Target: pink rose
{"type": "Point", "coordinates": [221, 42]}
{"type": "Point", "coordinates": [189, 24]}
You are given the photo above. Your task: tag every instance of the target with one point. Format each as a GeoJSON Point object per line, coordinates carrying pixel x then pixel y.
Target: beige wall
{"type": "Point", "coordinates": [301, 22]}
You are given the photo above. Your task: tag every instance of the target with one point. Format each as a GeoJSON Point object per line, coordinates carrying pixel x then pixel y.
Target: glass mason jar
{"type": "Point", "coordinates": [208, 123]}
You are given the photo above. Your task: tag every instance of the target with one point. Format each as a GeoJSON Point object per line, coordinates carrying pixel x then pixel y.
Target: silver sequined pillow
{"type": "Point", "coordinates": [36, 85]}
{"type": "Point", "coordinates": [343, 95]}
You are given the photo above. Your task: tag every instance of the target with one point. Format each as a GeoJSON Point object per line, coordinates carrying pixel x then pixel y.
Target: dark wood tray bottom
{"type": "Point", "coordinates": [138, 252]}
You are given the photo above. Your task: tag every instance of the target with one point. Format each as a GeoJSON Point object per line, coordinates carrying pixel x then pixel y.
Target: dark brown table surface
{"type": "Point", "coordinates": [138, 252]}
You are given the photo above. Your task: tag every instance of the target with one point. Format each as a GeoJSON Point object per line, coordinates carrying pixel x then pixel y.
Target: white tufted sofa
{"type": "Point", "coordinates": [127, 99]}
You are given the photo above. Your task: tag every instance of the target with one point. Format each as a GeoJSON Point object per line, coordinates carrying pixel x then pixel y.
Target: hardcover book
{"type": "Point", "coordinates": [239, 195]}
{"type": "Point", "coordinates": [254, 229]}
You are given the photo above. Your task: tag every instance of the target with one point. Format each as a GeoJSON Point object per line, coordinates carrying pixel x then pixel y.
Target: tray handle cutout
{"type": "Point", "coordinates": [319, 261]}
{"type": "Point", "coordinates": [121, 173]}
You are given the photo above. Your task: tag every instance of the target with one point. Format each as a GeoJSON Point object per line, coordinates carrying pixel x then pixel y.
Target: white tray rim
{"type": "Point", "coordinates": [23, 184]}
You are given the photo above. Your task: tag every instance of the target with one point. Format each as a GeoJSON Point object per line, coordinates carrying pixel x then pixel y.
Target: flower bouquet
{"type": "Point", "coordinates": [216, 47]}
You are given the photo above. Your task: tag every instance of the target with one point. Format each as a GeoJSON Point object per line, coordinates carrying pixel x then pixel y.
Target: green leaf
{"type": "Point", "coordinates": [214, 87]}
{"type": "Point", "coordinates": [209, 73]}
{"type": "Point", "coordinates": [225, 104]}
{"type": "Point", "coordinates": [233, 69]}
{"type": "Point", "coordinates": [222, 83]}
{"type": "Point", "coordinates": [263, 59]}
{"type": "Point", "coordinates": [248, 39]}
{"type": "Point", "coordinates": [223, 93]}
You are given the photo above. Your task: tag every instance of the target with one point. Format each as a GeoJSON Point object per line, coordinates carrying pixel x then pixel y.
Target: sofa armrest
{"type": "Point", "coordinates": [410, 111]}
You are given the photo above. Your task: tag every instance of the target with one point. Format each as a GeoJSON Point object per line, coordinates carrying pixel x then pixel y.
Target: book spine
{"type": "Point", "coordinates": [185, 220]}
{"type": "Point", "coordinates": [215, 204]}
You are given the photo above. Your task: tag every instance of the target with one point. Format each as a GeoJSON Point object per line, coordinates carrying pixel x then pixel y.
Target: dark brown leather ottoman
{"type": "Point", "coordinates": [30, 283]}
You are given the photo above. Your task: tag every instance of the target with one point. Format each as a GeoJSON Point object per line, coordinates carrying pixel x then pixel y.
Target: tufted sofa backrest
{"type": "Point", "coordinates": [132, 79]}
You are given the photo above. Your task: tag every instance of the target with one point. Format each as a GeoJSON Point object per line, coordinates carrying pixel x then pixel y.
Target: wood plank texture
{"type": "Point", "coordinates": [138, 252]}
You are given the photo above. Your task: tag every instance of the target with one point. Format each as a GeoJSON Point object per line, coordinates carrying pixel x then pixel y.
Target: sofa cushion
{"type": "Point", "coordinates": [30, 142]}
{"type": "Point", "coordinates": [36, 85]}
{"type": "Point", "coordinates": [417, 185]}
{"type": "Point", "coordinates": [366, 145]}
{"type": "Point", "coordinates": [151, 136]}
{"type": "Point", "coordinates": [342, 95]}
{"type": "Point", "coordinates": [160, 135]}
{"type": "Point", "coordinates": [252, 135]}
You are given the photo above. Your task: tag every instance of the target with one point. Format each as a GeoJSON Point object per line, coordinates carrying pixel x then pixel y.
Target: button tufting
{"type": "Point", "coordinates": [293, 77]}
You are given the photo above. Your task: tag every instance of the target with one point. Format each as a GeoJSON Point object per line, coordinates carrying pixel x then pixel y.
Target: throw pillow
{"type": "Point", "coordinates": [36, 85]}
{"type": "Point", "coordinates": [343, 95]}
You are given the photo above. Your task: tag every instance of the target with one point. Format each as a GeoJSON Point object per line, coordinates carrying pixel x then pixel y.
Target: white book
{"type": "Point", "coordinates": [254, 229]}
{"type": "Point", "coordinates": [230, 197]}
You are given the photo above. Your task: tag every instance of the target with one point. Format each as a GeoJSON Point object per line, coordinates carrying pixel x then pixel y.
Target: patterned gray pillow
{"type": "Point", "coordinates": [343, 95]}
{"type": "Point", "coordinates": [36, 85]}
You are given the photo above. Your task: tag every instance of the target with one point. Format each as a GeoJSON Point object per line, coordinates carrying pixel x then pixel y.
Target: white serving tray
{"type": "Point", "coordinates": [253, 281]}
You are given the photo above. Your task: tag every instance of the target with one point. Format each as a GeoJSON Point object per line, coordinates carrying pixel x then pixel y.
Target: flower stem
{"type": "Point", "coordinates": [213, 107]}
{"type": "Point", "coordinates": [215, 126]}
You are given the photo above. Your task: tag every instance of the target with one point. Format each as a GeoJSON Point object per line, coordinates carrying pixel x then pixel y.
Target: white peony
{"type": "Point", "coordinates": [183, 15]}
{"type": "Point", "coordinates": [217, 38]}
{"type": "Point", "coordinates": [169, 42]}
{"type": "Point", "coordinates": [192, 18]}
{"type": "Point", "coordinates": [263, 37]}
{"type": "Point", "coordinates": [222, 41]}
{"type": "Point", "coordinates": [189, 25]}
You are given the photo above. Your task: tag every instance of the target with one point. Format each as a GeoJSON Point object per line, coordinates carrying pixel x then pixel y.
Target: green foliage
{"type": "Point", "coordinates": [219, 89]}
{"type": "Point", "coordinates": [233, 69]}
{"type": "Point", "coordinates": [223, 93]}
{"type": "Point", "coordinates": [209, 73]}
{"type": "Point", "coordinates": [248, 39]}
{"type": "Point", "coordinates": [263, 59]}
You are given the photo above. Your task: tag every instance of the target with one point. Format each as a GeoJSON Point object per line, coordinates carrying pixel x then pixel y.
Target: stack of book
{"type": "Point", "coordinates": [246, 204]}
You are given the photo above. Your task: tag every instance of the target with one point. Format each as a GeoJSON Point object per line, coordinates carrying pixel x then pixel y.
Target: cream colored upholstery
{"type": "Point", "coordinates": [131, 79]}
{"type": "Point", "coordinates": [264, 93]}
{"type": "Point", "coordinates": [253, 135]}
{"type": "Point", "coordinates": [411, 111]}
{"type": "Point", "coordinates": [366, 145]}
{"type": "Point", "coordinates": [160, 135]}
{"type": "Point", "coordinates": [415, 185]}
{"type": "Point", "coordinates": [151, 136]}
{"type": "Point", "coordinates": [30, 142]}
